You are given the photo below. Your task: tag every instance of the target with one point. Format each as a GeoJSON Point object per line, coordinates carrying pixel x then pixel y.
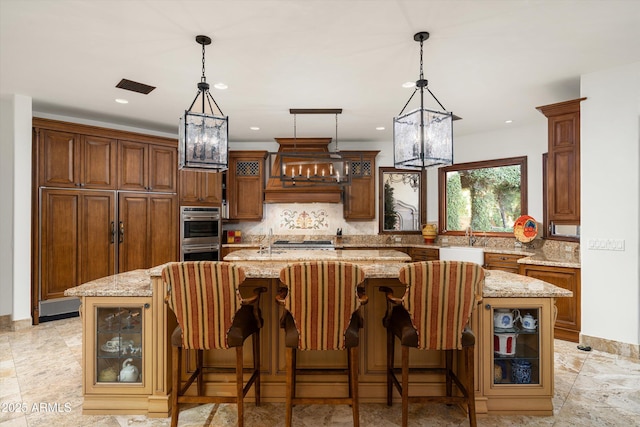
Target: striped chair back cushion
{"type": "Point", "coordinates": [439, 297]}
{"type": "Point", "coordinates": [321, 299]}
{"type": "Point", "coordinates": [204, 297]}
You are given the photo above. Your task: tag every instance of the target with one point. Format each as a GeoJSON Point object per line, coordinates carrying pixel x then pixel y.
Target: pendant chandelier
{"type": "Point", "coordinates": [203, 137]}
{"type": "Point", "coordinates": [422, 138]}
{"type": "Point", "coordinates": [306, 168]}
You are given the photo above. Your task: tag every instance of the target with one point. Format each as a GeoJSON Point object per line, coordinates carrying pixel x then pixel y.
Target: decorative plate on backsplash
{"type": "Point", "coordinates": [525, 229]}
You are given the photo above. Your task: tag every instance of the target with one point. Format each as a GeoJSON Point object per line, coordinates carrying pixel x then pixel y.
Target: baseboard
{"type": "Point", "coordinates": [6, 324]}
{"type": "Point", "coordinates": [610, 346]}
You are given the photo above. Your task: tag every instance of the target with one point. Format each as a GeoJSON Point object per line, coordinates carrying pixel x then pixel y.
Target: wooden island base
{"type": "Point", "coordinates": [143, 290]}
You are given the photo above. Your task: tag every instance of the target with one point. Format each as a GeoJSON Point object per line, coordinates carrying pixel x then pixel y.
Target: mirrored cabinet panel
{"type": "Point", "coordinates": [402, 201]}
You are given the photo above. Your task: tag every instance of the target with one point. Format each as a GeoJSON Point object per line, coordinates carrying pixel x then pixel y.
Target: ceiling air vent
{"type": "Point", "coordinates": [135, 86]}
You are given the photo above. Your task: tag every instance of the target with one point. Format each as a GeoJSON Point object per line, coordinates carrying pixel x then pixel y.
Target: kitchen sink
{"type": "Point", "coordinates": [462, 253]}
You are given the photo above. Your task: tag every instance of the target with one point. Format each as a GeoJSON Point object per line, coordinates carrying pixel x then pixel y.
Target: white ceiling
{"type": "Point", "coordinates": [486, 61]}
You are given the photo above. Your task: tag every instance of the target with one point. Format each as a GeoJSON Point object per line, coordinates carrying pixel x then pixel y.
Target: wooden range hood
{"type": "Point", "coordinates": [301, 193]}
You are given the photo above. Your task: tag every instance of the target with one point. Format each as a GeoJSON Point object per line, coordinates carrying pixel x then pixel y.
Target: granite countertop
{"type": "Point", "coordinates": [361, 256]}
{"type": "Point", "coordinates": [498, 284]}
{"type": "Point", "coordinates": [548, 257]}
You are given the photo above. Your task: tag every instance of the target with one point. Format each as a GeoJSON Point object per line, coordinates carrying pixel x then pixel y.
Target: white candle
{"type": "Point", "coordinates": [284, 170]}
{"type": "Point", "coordinates": [308, 173]}
{"type": "Point", "coordinates": [293, 173]}
{"type": "Point", "coordinates": [330, 169]}
{"type": "Point", "coordinates": [300, 170]}
{"type": "Point", "coordinates": [315, 169]}
{"type": "Point", "coordinates": [337, 176]}
{"type": "Point", "coordinates": [346, 169]}
{"type": "Point", "coordinates": [322, 172]}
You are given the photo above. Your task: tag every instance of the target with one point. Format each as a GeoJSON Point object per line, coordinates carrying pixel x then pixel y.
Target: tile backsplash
{"type": "Point", "coordinates": [313, 219]}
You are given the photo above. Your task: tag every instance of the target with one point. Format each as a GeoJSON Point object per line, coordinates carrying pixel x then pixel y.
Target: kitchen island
{"type": "Point", "coordinates": [141, 293]}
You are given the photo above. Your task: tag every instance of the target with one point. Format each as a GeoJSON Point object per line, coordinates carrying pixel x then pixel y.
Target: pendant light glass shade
{"type": "Point", "coordinates": [203, 137]}
{"type": "Point", "coordinates": [422, 138]}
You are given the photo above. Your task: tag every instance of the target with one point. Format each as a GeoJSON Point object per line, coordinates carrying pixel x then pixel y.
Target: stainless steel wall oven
{"type": "Point", "coordinates": [200, 230]}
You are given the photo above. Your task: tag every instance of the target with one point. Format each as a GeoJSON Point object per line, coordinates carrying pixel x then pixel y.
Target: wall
{"type": "Point", "coordinates": [15, 163]}
{"type": "Point", "coordinates": [610, 203]}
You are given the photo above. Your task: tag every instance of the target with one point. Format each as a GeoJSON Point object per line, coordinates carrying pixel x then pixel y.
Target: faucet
{"type": "Point", "coordinates": [469, 233]}
{"type": "Point", "coordinates": [270, 239]}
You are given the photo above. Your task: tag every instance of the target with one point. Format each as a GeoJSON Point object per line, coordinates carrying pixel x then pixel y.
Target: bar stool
{"type": "Point", "coordinates": [321, 301]}
{"type": "Point", "coordinates": [433, 314]}
{"type": "Point", "coordinates": [211, 314]}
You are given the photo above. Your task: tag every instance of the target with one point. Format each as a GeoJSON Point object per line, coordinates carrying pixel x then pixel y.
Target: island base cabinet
{"type": "Point", "coordinates": [117, 346]}
{"type": "Point", "coordinates": [517, 355]}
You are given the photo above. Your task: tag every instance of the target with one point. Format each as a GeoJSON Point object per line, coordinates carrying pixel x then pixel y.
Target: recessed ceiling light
{"type": "Point", "coordinates": [409, 84]}
{"type": "Point", "coordinates": [220, 86]}
{"type": "Point", "coordinates": [121, 101]}
{"type": "Point", "coordinates": [254, 128]}
{"type": "Point", "coordinates": [508, 121]}
{"type": "Point", "coordinates": [380, 128]}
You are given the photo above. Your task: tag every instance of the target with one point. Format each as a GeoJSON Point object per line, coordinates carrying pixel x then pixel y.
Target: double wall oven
{"type": "Point", "coordinates": [200, 230]}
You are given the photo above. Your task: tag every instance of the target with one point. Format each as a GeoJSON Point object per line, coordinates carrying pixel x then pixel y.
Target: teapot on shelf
{"type": "Point", "coordinates": [529, 322]}
{"type": "Point", "coordinates": [505, 318]}
{"type": "Point", "coordinates": [129, 372]}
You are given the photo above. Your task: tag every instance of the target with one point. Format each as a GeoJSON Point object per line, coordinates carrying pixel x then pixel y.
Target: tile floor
{"type": "Point", "coordinates": [42, 364]}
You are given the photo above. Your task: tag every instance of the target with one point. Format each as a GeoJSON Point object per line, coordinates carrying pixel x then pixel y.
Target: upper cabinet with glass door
{"type": "Point", "coordinates": [402, 206]}
{"type": "Point", "coordinates": [486, 197]}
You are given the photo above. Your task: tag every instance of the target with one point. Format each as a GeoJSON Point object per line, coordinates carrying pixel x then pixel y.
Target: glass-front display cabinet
{"type": "Point", "coordinates": [518, 346]}
{"type": "Point", "coordinates": [118, 345]}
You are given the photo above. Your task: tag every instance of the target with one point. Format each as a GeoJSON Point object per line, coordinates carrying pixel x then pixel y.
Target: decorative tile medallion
{"type": "Point", "coordinates": [312, 220]}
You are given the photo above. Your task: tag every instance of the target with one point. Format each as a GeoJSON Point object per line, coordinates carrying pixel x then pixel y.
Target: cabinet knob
{"type": "Point", "coordinates": [487, 306]}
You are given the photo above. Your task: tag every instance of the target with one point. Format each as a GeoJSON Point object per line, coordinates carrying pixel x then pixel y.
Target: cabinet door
{"type": "Point", "coordinates": [200, 188]}
{"type": "Point", "coordinates": [133, 163]}
{"type": "Point", "coordinates": [133, 231]}
{"type": "Point", "coordinates": [564, 168]}
{"type": "Point", "coordinates": [163, 164]}
{"type": "Point", "coordinates": [189, 187]}
{"type": "Point", "coordinates": [60, 242]}
{"type": "Point", "coordinates": [59, 159]}
{"type": "Point", "coordinates": [98, 235]}
{"type": "Point", "coordinates": [211, 189]}
{"type": "Point", "coordinates": [76, 239]}
{"type": "Point", "coordinates": [117, 346]}
{"type": "Point", "coordinates": [163, 229]}
{"type": "Point", "coordinates": [99, 162]}
{"type": "Point", "coordinates": [567, 325]}
{"type": "Point", "coordinates": [360, 197]}
{"type": "Point", "coordinates": [246, 185]}
{"type": "Point", "coordinates": [517, 362]}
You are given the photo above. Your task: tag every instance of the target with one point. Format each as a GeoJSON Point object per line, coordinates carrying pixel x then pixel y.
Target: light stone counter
{"type": "Point", "coordinates": [377, 264]}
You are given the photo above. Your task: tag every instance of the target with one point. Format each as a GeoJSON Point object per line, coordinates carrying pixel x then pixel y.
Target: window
{"type": "Point", "coordinates": [487, 196]}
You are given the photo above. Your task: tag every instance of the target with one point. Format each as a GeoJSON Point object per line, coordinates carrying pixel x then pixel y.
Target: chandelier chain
{"type": "Point", "coordinates": [421, 74]}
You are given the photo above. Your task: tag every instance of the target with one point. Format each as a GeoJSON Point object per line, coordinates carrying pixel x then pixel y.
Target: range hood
{"type": "Point", "coordinates": [276, 193]}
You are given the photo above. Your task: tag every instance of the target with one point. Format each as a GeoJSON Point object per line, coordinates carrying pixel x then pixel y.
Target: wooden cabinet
{"type": "Point", "coordinates": [567, 326]}
{"type": "Point", "coordinates": [360, 196]}
{"type": "Point", "coordinates": [516, 363]}
{"type": "Point", "coordinates": [200, 188]}
{"type": "Point", "coordinates": [69, 159]}
{"type": "Point", "coordinates": [504, 262]}
{"type": "Point", "coordinates": [563, 162]}
{"type": "Point", "coordinates": [424, 254]}
{"type": "Point", "coordinates": [245, 184]}
{"type": "Point", "coordinates": [77, 239]}
{"type": "Point", "coordinates": [147, 167]}
{"type": "Point", "coordinates": [147, 230]}
{"type": "Point", "coordinates": [117, 343]}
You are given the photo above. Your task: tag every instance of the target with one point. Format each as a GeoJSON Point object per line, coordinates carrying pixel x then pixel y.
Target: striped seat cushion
{"type": "Point", "coordinates": [439, 297]}
{"type": "Point", "coordinates": [204, 297]}
{"type": "Point", "coordinates": [321, 299]}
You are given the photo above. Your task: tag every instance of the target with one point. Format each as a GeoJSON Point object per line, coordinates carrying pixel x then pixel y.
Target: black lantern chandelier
{"type": "Point", "coordinates": [203, 137]}
{"type": "Point", "coordinates": [300, 168]}
{"type": "Point", "coordinates": [422, 138]}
